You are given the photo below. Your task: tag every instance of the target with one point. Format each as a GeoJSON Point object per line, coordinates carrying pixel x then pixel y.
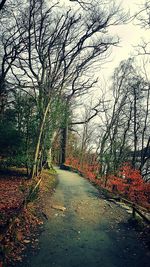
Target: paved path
{"type": "Point", "coordinates": [92, 232]}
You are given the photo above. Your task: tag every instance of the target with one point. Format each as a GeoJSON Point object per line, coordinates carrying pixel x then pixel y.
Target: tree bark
{"type": "Point", "coordinates": [64, 144]}
{"type": "Point", "coordinates": [41, 128]}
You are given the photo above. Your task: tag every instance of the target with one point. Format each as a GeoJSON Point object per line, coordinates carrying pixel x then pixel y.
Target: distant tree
{"type": "Point", "coordinates": [11, 46]}
{"type": "Point", "coordinates": [126, 123]}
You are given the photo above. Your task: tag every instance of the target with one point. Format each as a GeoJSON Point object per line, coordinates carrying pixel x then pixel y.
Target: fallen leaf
{"type": "Point", "coordinates": [20, 236]}
{"type": "Point", "coordinates": [26, 241]}
{"type": "Point", "coordinates": [58, 207]}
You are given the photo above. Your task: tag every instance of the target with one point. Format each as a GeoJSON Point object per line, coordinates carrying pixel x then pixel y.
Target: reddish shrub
{"type": "Point", "coordinates": [128, 182]}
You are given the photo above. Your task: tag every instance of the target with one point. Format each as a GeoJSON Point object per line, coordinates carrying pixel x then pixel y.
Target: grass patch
{"type": "Point", "coordinates": [49, 180]}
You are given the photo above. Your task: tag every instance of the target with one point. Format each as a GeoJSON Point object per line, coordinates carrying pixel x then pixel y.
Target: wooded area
{"type": "Point", "coordinates": [52, 107]}
{"type": "Point", "coordinates": [47, 54]}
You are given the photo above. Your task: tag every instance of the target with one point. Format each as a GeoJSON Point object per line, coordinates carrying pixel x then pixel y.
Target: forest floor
{"type": "Point", "coordinates": [83, 228]}
{"type": "Point", "coordinates": [20, 216]}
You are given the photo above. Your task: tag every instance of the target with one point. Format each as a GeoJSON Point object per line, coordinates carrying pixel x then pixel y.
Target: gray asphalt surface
{"type": "Point", "coordinates": [91, 232]}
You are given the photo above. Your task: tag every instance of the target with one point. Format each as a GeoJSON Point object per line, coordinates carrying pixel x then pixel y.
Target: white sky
{"type": "Point", "coordinates": [130, 35]}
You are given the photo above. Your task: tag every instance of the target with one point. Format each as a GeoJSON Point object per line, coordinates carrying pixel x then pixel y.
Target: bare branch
{"type": "Point", "coordinates": [2, 3]}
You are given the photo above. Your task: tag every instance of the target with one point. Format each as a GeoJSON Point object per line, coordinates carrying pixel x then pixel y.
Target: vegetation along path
{"type": "Point", "coordinates": [90, 232]}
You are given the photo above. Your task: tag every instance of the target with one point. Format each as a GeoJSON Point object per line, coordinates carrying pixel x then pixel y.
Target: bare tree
{"type": "Point", "coordinates": [59, 49]}
{"type": "Point", "coordinates": [125, 136]}
{"type": "Point", "coordinates": [143, 51]}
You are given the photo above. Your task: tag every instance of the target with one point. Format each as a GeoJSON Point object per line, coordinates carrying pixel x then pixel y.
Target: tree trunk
{"type": "Point", "coordinates": [41, 128]}
{"type": "Point", "coordinates": [49, 152]}
{"type": "Point", "coordinates": [64, 144]}
{"type": "Point", "coordinates": [135, 130]}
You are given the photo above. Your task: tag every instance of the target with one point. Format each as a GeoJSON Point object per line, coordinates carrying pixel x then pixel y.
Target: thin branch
{"type": "Point", "coordinates": [2, 4]}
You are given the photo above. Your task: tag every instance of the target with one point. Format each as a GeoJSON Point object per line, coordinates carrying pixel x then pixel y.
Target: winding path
{"type": "Point", "coordinates": [91, 232]}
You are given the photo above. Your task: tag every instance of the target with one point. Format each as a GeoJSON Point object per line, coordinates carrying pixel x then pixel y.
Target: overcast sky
{"type": "Point", "coordinates": [130, 35]}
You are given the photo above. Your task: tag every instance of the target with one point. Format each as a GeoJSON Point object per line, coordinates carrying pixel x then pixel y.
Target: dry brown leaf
{"type": "Point", "coordinates": [20, 236]}
{"type": "Point", "coordinates": [26, 241]}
